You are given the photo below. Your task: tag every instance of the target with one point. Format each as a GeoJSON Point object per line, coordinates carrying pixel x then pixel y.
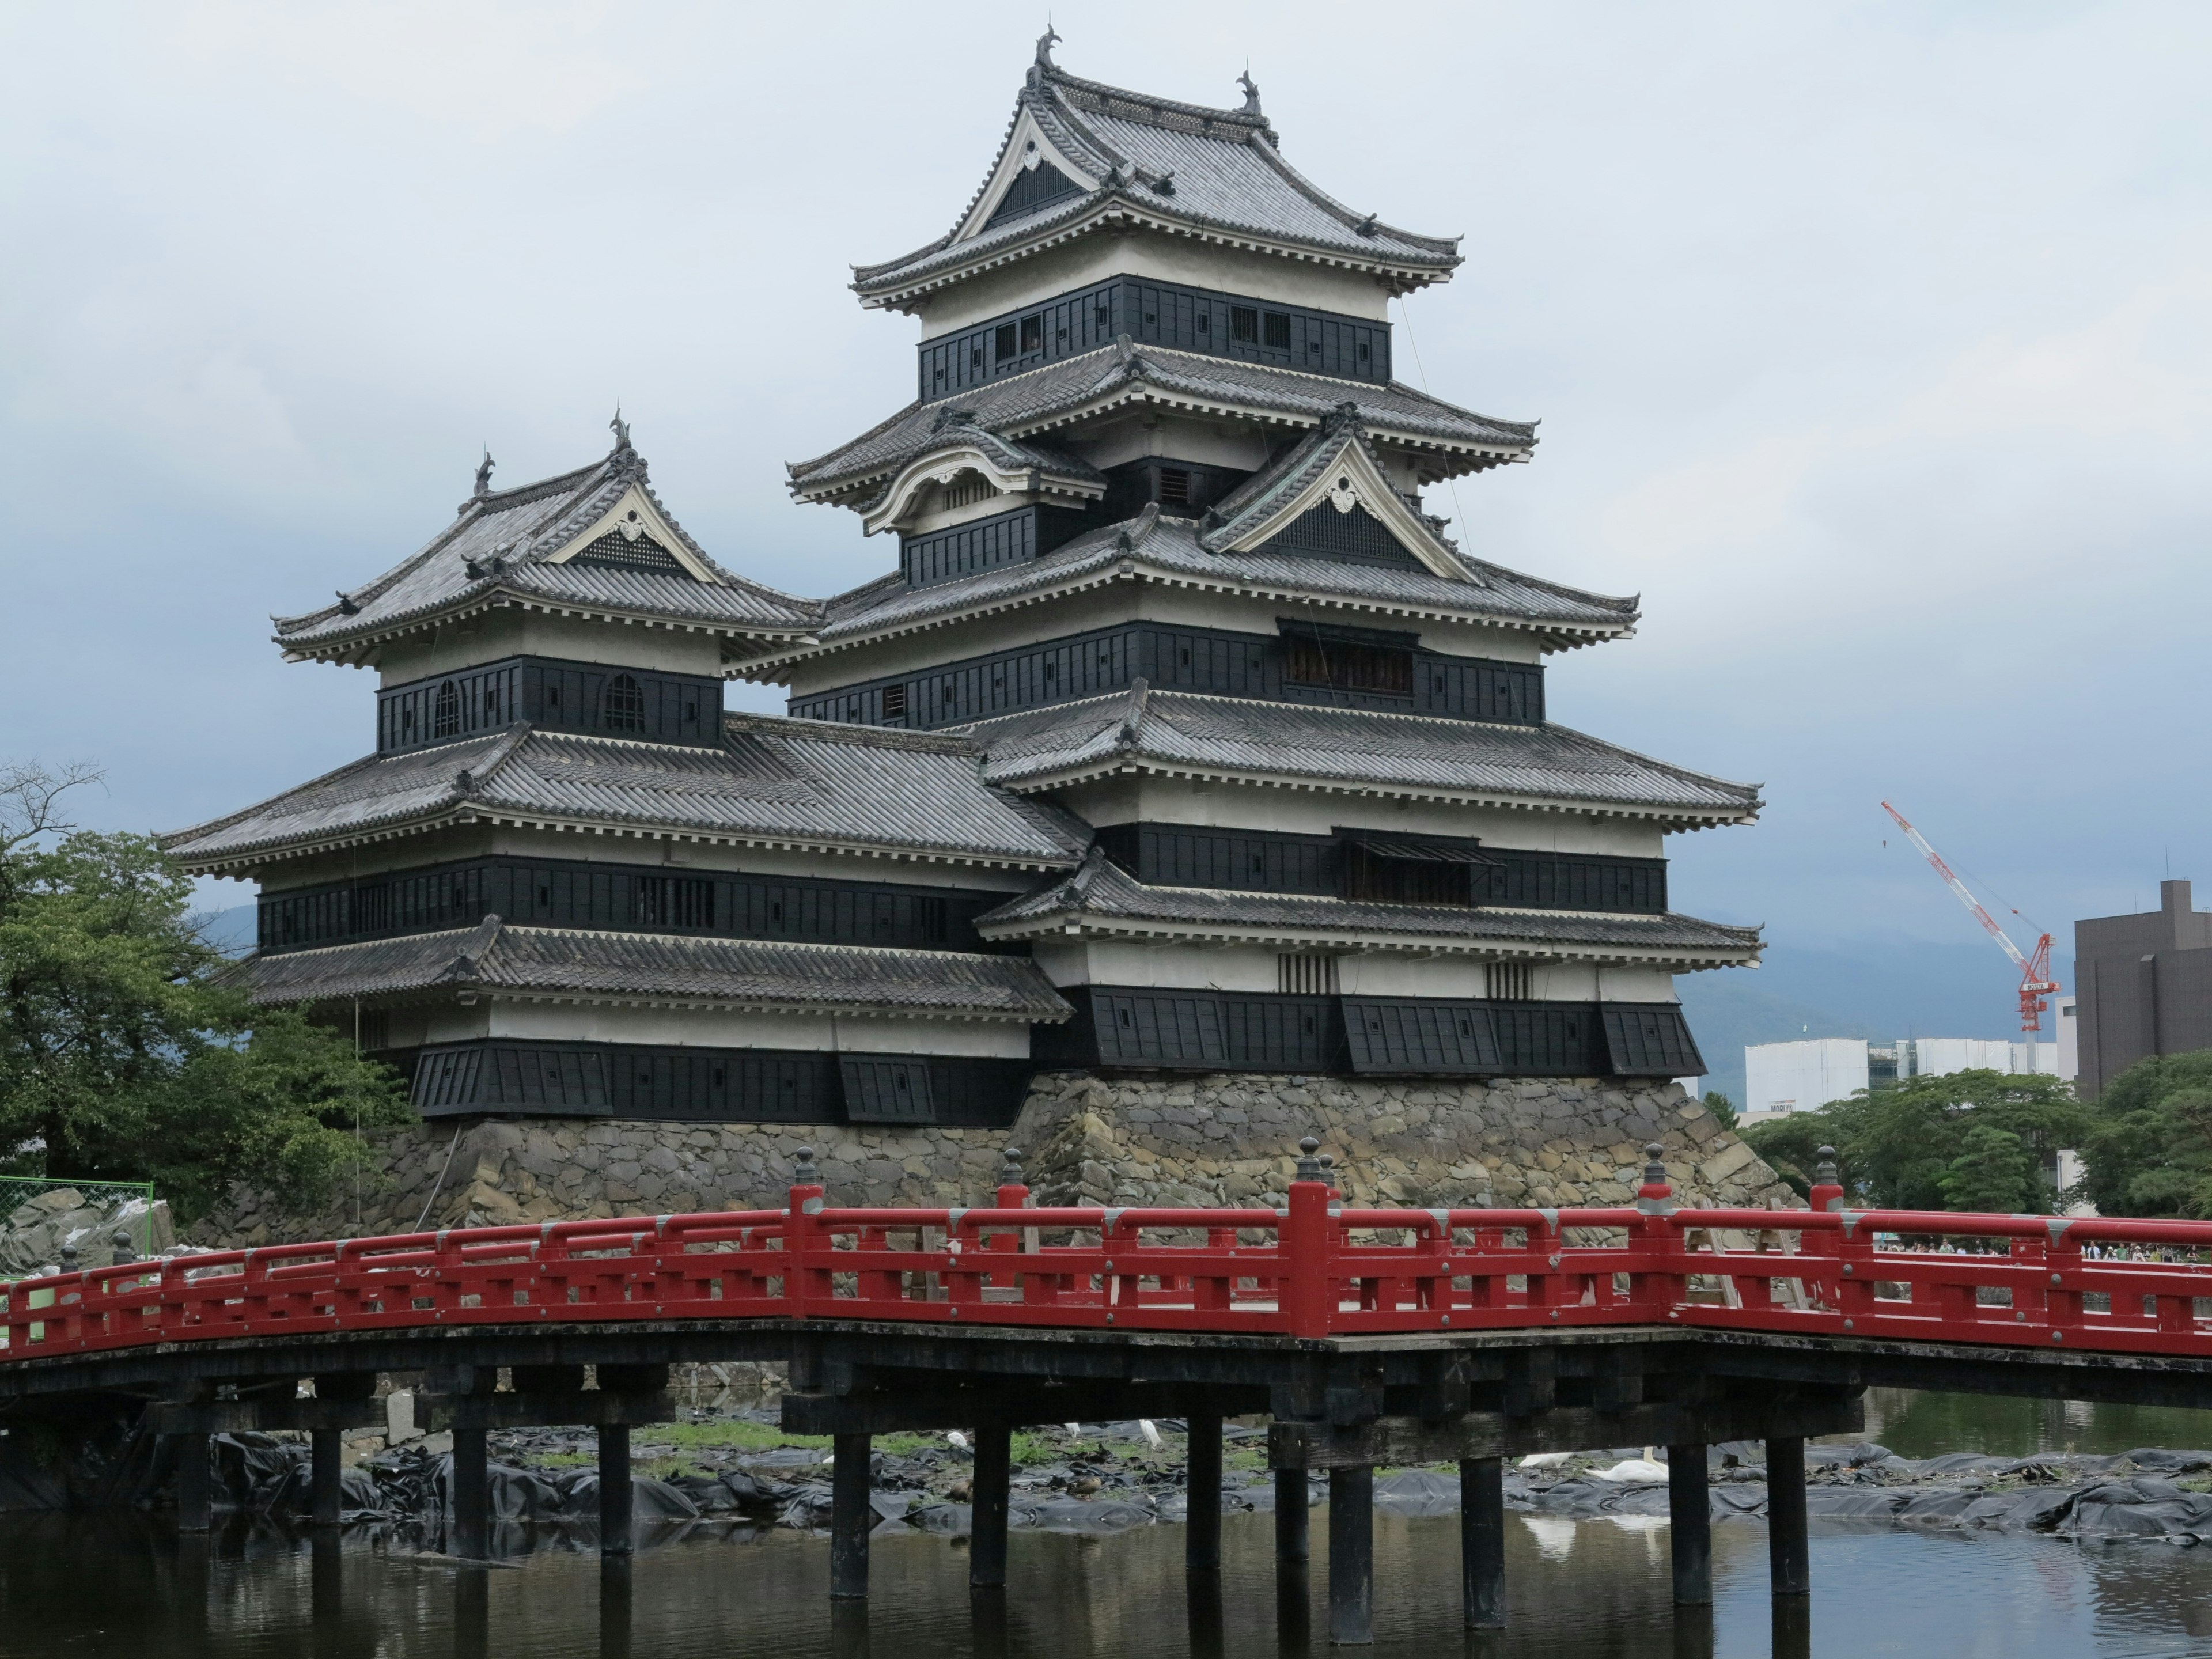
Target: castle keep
{"type": "Point", "coordinates": [1185, 749]}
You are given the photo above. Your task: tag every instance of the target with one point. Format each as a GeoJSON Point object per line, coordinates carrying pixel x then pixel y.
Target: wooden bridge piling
{"type": "Point", "coordinates": [325, 1476]}
{"type": "Point", "coordinates": [194, 1480]}
{"type": "Point", "coordinates": [617, 1490]}
{"type": "Point", "coordinates": [1292, 1497]}
{"type": "Point", "coordinates": [852, 1515]}
{"type": "Point", "coordinates": [989, 1499]}
{"type": "Point", "coordinates": [1690, 1525]}
{"type": "Point", "coordinates": [1352, 1556]}
{"type": "Point", "coordinates": [1790, 1568]}
{"type": "Point", "coordinates": [616, 1612]}
{"type": "Point", "coordinates": [1201, 1542]}
{"type": "Point", "coordinates": [1482, 1543]}
{"type": "Point", "coordinates": [468, 1529]}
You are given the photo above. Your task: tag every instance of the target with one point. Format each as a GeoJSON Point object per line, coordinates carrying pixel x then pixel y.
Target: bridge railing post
{"type": "Point", "coordinates": [1662, 1284]}
{"type": "Point", "coordinates": [1013, 1193]}
{"type": "Point", "coordinates": [1307, 1296]}
{"type": "Point", "coordinates": [805, 1287]}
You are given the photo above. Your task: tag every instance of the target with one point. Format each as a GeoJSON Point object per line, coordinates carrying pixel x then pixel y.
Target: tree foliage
{"type": "Point", "coordinates": [1722, 1108]}
{"type": "Point", "coordinates": [124, 1054]}
{"type": "Point", "coordinates": [2149, 1152]}
{"type": "Point", "coordinates": [1978, 1141]}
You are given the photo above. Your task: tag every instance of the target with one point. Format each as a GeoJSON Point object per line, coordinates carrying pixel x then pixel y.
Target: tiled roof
{"type": "Point", "coordinates": [1102, 897]}
{"type": "Point", "coordinates": [496, 545]}
{"type": "Point", "coordinates": [1299, 744]}
{"type": "Point", "coordinates": [774, 781]}
{"type": "Point", "coordinates": [1185, 168]}
{"type": "Point", "coordinates": [1074, 388]}
{"type": "Point", "coordinates": [1156, 548]}
{"type": "Point", "coordinates": [496, 956]}
{"type": "Point", "coordinates": [1246, 511]}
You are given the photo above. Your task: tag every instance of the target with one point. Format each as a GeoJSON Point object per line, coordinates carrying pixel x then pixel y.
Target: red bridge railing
{"type": "Point", "coordinates": [1316, 1268]}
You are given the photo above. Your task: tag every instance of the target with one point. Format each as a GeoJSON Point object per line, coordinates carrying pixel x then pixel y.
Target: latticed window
{"type": "Point", "coordinates": [447, 723]}
{"type": "Point", "coordinates": [621, 706]}
{"type": "Point", "coordinates": [1380, 669]}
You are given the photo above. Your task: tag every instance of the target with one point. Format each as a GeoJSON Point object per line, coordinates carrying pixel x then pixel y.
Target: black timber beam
{"type": "Point", "coordinates": [889, 1412]}
{"type": "Point", "coordinates": [1961, 1368]}
{"type": "Point", "coordinates": [261, 1416]}
{"type": "Point", "coordinates": [1398, 1440]}
{"type": "Point", "coordinates": [590, 1408]}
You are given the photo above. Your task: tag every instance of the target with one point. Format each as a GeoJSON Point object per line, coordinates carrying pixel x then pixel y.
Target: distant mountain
{"type": "Point", "coordinates": [232, 932]}
{"type": "Point", "coordinates": [1877, 989]}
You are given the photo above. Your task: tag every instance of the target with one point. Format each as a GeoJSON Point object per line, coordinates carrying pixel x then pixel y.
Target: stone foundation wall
{"type": "Point", "coordinates": [1212, 1139]}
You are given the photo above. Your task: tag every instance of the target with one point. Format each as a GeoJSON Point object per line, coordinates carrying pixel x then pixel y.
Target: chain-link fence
{"type": "Point", "coordinates": [41, 1219]}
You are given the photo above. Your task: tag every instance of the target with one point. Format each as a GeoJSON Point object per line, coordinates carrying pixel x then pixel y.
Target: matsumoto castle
{"type": "Point", "coordinates": [1181, 739]}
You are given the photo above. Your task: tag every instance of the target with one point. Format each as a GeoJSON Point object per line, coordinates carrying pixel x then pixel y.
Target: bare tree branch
{"type": "Point", "coordinates": [30, 799]}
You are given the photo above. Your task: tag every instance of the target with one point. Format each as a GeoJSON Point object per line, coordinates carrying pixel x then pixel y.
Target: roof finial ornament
{"type": "Point", "coordinates": [621, 429]}
{"type": "Point", "coordinates": [1045, 44]}
{"type": "Point", "coordinates": [1251, 91]}
{"type": "Point", "coordinates": [483, 472]}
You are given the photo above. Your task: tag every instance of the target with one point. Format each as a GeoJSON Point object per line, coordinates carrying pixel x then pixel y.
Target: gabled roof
{"type": "Point", "coordinates": [498, 959]}
{"type": "Point", "coordinates": [774, 782]}
{"type": "Point", "coordinates": [1358, 751]}
{"type": "Point", "coordinates": [1334, 463]}
{"type": "Point", "coordinates": [538, 545]}
{"type": "Point", "coordinates": [958, 444]}
{"type": "Point", "coordinates": [1136, 160]}
{"type": "Point", "coordinates": [1450, 440]}
{"type": "Point", "coordinates": [1153, 548]}
{"type": "Point", "coordinates": [1103, 900]}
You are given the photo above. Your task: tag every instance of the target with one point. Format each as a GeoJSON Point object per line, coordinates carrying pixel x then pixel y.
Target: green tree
{"type": "Point", "coordinates": [1722, 1108]}
{"type": "Point", "coordinates": [127, 1053]}
{"type": "Point", "coordinates": [1967, 1140]}
{"type": "Point", "coordinates": [2149, 1152]}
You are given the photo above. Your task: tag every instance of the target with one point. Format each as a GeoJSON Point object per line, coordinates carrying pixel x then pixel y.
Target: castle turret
{"type": "Point", "coordinates": [1164, 554]}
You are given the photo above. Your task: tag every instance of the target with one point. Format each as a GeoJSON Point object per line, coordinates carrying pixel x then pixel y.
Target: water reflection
{"type": "Point", "coordinates": [1916, 1424]}
{"type": "Point", "coordinates": [128, 1585]}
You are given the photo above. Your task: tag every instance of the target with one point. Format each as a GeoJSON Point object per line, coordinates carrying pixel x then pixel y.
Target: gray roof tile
{"type": "Point", "coordinates": [1182, 166]}
{"type": "Point", "coordinates": [1103, 897]}
{"type": "Point", "coordinates": [1043, 400]}
{"type": "Point", "coordinates": [805, 782]}
{"type": "Point", "coordinates": [519, 529]}
{"type": "Point", "coordinates": [496, 956]}
{"type": "Point", "coordinates": [1169, 549]}
{"type": "Point", "coordinates": [1178, 730]}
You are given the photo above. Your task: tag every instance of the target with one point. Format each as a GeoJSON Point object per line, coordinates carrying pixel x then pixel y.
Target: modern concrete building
{"type": "Point", "coordinates": [2142, 986]}
{"type": "Point", "coordinates": [1780, 1078]}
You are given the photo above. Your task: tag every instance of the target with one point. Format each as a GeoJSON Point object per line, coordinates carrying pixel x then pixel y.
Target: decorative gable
{"type": "Point", "coordinates": [1031, 170]}
{"type": "Point", "coordinates": [1329, 499]}
{"type": "Point", "coordinates": [632, 535]}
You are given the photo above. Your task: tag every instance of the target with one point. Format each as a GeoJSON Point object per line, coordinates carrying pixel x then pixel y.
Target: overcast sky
{"type": "Point", "coordinates": [1870, 344]}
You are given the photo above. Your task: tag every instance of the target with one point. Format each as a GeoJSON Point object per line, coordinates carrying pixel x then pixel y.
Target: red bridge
{"type": "Point", "coordinates": [1370, 1335]}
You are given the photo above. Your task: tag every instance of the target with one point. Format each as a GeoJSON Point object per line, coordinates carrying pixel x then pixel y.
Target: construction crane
{"type": "Point", "coordinates": [2035, 981]}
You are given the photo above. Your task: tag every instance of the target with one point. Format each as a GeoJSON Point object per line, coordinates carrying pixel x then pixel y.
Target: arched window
{"type": "Point", "coordinates": [621, 706]}
{"type": "Point", "coordinates": [447, 723]}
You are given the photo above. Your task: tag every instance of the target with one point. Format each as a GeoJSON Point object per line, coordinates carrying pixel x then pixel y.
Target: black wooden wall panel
{"type": "Point", "coordinates": [1213, 661]}
{"type": "Point", "coordinates": [1398, 1035]}
{"type": "Point", "coordinates": [1232, 1030]}
{"type": "Point", "coordinates": [1650, 1040]}
{"type": "Point", "coordinates": [649, 705]}
{"type": "Point", "coordinates": [1272, 861]}
{"type": "Point", "coordinates": [878, 1091]}
{"type": "Point", "coordinates": [1206, 320]}
{"type": "Point", "coordinates": [499, 1078]}
{"type": "Point", "coordinates": [551, 894]}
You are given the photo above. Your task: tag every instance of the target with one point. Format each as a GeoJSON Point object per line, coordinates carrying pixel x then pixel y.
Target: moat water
{"type": "Point", "coordinates": [127, 1584]}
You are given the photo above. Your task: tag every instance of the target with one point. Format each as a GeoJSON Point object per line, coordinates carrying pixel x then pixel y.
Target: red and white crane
{"type": "Point", "coordinates": [2035, 981]}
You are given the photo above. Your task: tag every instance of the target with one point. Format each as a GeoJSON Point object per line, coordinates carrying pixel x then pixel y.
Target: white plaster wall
{"type": "Point", "coordinates": [517, 633]}
{"type": "Point", "coordinates": [1206, 440]}
{"type": "Point", "coordinates": [715, 1028]}
{"type": "Point", "coordinates": [1183, 967]}
{"type": "Point", "coordinates": [1166, 258]}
